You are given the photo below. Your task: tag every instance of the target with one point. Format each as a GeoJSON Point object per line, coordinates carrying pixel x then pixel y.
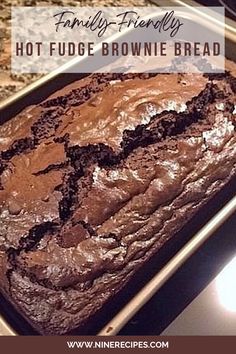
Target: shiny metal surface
{"type": "Point", "coordinates": [213, 312]}
{"type": "Point", "coordinates": [230, 25]}
{"type": "Point", "coordinates": [5, 329]}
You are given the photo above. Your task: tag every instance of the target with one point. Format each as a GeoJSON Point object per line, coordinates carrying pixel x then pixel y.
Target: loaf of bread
{"type": "Point", "coordinates": [97, 178]}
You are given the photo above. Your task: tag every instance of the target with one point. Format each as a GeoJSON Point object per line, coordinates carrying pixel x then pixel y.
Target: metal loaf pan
{"type": "Point", "coordinates": [189, 240]}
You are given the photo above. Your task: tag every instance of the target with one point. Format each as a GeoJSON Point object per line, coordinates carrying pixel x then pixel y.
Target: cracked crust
{"type": "Point", "coordinates": [94, 182]}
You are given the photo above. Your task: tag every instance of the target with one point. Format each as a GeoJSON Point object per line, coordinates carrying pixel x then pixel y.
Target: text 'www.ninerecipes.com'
{"type": "Point", "coordinates": [118, 344]}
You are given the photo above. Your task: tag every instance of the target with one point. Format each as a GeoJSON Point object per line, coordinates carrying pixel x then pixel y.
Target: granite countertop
{"type": "Point", "coordinates": [11, 83]}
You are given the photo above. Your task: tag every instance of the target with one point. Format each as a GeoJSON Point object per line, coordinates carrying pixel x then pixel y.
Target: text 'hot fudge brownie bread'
{"type": "Point", "coordinates": [94, 180]}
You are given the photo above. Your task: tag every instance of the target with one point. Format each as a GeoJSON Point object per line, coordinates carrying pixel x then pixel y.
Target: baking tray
{"type": "Point", "coordinates": [144, 295]}
{"type": "Point", "coordinates": [230, 25]}
{"type": "Point", "coordinates": [54, 81]}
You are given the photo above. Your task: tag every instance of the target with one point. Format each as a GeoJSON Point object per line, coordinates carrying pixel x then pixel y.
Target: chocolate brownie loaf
{"type": "Point", "coordinates": [96, 179]}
